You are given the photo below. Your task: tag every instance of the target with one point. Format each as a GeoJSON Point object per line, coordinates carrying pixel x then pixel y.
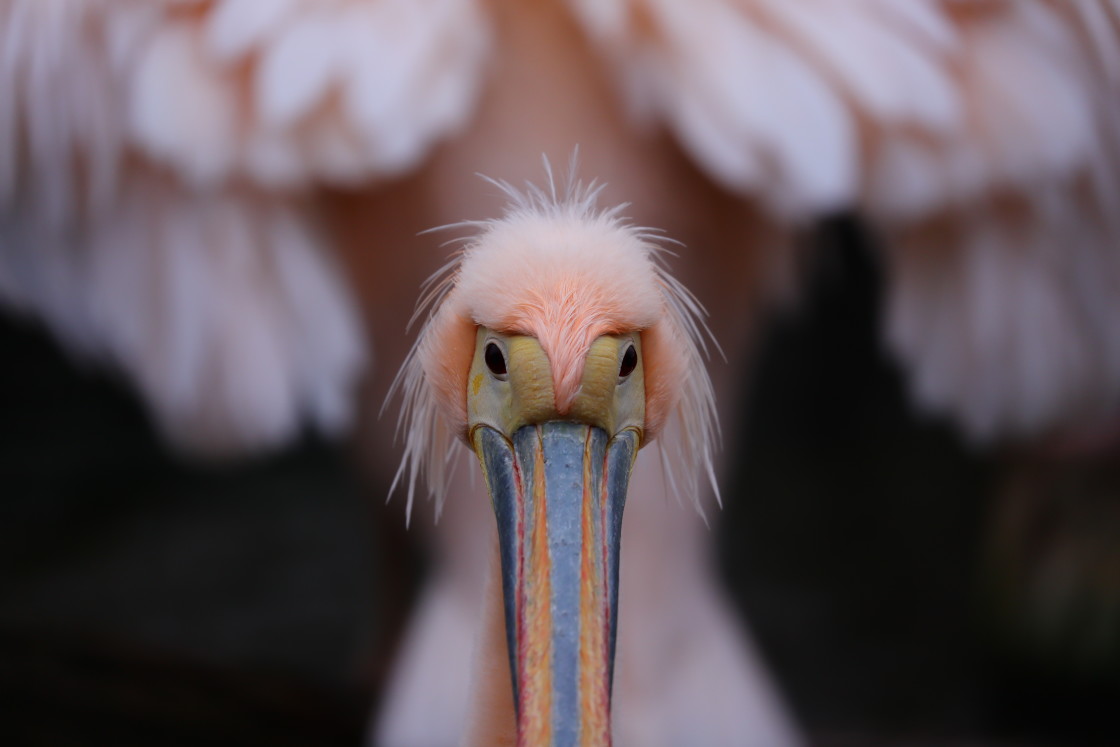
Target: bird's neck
{"type": "Point", "coordinates": [493, 720]}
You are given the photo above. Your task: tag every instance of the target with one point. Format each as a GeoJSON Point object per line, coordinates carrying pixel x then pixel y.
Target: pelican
{"type": "Point", "coordinates": [220, 198]}
{"type": "Point", "coordinates": [557, 347]}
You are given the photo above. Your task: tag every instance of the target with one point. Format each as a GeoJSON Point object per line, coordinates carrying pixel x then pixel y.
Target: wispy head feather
{"type": "Point", "coordinates": [557, 266]}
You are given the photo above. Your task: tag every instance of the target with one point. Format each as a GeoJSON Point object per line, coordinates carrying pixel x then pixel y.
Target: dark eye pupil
{"type": "Point", "coordinates": [495, 361]}
{"type": "Point", "coordinates": [629, 362]}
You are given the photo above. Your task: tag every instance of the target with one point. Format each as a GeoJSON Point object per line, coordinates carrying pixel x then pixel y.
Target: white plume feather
{"type": "Point", "coordinates": [921, 113]}
{"type": "Point", "coordinates": [221, 306]}
{"type": "Point", "coordinates": [995, 118]}
{"type": "Point", "coordinates": [153, 154]}
{"type": "Point", "coordinates": [214, 90]}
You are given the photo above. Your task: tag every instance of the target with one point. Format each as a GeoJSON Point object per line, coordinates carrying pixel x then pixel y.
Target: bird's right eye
{"type": "Point", "coordinates": [629, 362]}
{"type": "Point", "coordinates": [495, 361]}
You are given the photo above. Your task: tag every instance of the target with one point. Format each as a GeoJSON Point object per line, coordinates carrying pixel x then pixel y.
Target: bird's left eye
{"type": "Point", "coordinates": [629, 362]}
{"type": "Point", "coordinates": [495, 361]}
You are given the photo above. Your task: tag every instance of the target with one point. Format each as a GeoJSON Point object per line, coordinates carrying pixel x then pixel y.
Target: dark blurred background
{"type": "Point", "coordinates": [146, 600]}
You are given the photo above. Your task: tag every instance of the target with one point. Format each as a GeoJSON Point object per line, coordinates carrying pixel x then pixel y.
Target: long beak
{"type": "Point", "coordinates": [558, 491]}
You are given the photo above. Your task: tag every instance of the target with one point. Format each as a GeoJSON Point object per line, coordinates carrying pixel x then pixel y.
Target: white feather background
{"type": "Point", "coordinates": [979, 136]}
{"type": "Point", "coordinates": [162, 165]}
{"type": "Point", "coordinates": [153, 162]}
{"type": "Point", "coordinates": [221, 306]}
{"type": "Point", "coordinates": [288, 91]}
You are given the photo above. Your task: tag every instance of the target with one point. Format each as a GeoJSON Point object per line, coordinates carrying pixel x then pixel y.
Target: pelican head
{"type": "Point", "coordinates": [555, 348]}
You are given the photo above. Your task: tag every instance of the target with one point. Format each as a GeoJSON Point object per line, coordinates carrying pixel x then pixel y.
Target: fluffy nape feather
{"type": "Point", "coordinates": [560, 268]}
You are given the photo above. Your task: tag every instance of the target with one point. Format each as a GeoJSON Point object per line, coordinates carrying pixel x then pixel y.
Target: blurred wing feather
{"type": "Point", "coordinates": [220, 305]}
{"type": "Point", "coordinates": [981, 136]}
{"type": "Point", "coordinates": [282, 95]}
{"type": "Point", "coordinates": [294, 75]}
{"type": "Point", "coordinates": [154, 157]}
{"type": "Point", "coordinates": [1003, 243]}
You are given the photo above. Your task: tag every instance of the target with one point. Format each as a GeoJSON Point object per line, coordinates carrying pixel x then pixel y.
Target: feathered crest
{"type": "Point", "coordinates": [432, 447]}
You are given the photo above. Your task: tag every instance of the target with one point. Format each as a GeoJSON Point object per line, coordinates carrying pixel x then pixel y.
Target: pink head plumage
{"type": "Point", "coordinates": [559, 268]}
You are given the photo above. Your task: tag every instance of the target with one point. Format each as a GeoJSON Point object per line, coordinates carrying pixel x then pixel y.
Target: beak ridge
{"type": "Point", "coordinates": [558, 492]}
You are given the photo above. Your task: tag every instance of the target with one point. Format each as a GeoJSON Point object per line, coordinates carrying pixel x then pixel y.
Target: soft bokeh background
{"type": "Point", "coordinates": [148, 600]}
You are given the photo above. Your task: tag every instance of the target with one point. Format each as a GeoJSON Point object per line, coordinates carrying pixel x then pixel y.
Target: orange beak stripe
{"type": "Point", "coordinates": [559, 542]}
